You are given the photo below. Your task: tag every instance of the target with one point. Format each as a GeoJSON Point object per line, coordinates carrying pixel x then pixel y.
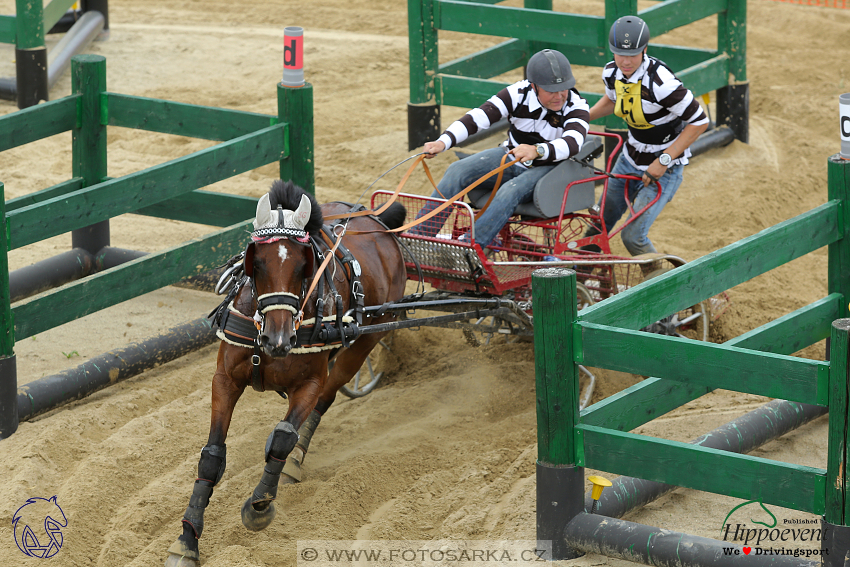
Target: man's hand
{"type": "Point", "coordinates": [524, 152]}
{"type": "Point", "coordinates": [653, 173]}
{"type": "Point", "coordinates": [433, 148]}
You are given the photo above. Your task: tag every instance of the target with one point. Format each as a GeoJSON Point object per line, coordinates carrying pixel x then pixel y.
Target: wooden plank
{"type": "Point", "coordinates": [720, 366]}
{"type": "Point", "coordinates": [522, 23]}
{"type": "Point", "coordinates": [795, 331]}
{"type": "Point", "coordinates": [54, 11]}
{"type": "Point", "coordinates": [127, 281]}
{"type": "Point", "coordinates": [641, 403]}
{"type": "Point", "coordinates": [38, 122]}
{"type": "Point", "coordinates": [465, 92]}
{"type": "Point", "coordinates": [150, 186]}
{"type": "Point", "coordinates": [489, 62]}
{"type": "Point", "coordinates": [718, 271]}
{"type": "Point", "coordinates": [706, 76]}
{"type": "Point", "coordinates": [692, 466]}
{"type": "Point", "coordinates": [73, 184]}
{"type": "Point", "coordinates": [557, 380]}
{"type": "Point", "coordinates": [671, 14]}
{"type": "Point", "coordinates": [192, 120]}
{"type": "Point", "coordinates": [655, 397]}
{"type": "Point", "coordinates": [680, 58]}
{"type": "Point", "coordinates": [204, 207]}
{"type": "Point", "coordinates": [7, 29]}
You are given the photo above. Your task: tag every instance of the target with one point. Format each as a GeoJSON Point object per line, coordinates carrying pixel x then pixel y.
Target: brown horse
{"type": "Point", "coordinates": [294, 341]}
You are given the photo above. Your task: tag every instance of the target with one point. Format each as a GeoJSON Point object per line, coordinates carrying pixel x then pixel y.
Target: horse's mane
{"type": "Point", "coordinates": [288, 195]}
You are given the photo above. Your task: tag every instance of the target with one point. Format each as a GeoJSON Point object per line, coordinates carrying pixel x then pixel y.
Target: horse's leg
{"type": "Point", "coordinates": [292, 468]}
{"type": "Point", "coordinates": [258, 511]}
{"type": "Point", "coordinates": [346, 365]}
{"type": "Point", "coordinates": [184, 552]}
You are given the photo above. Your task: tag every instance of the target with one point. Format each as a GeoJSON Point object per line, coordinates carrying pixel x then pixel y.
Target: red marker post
{"type": "Point", "coordinates": [844, 124]}
{"type": "Point", "coordinates": [293, 57]}
{"type": "Point", "coordinates": [295, 109]}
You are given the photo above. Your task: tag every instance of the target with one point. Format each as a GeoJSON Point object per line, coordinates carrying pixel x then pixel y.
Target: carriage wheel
{"type": "Point", "coordinates": [583, 296]}
{"type": "Point", "coordinates": [690, 323]}
{"type": "Point", "coordinates": [366, 378]}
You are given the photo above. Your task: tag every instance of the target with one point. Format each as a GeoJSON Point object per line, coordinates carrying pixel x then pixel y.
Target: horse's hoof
{"type": "Point", "coordinates": [180, 561]}
{"type": "Point", "coordinates": [254, 519]}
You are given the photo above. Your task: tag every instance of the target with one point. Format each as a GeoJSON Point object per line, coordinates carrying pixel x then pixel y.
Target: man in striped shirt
{"type": "Point", "coordinates": [664, 119]}
{"type": "Point", "coordinates": [548, 123]}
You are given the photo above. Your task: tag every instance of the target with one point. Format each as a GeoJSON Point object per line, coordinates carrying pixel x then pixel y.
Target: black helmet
{"type": "Point", "coordinates": [629, 35]}
{"type": "Point", "coordinates": [550, 70]}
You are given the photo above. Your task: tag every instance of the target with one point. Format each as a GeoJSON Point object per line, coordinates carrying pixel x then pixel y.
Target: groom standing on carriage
{"type": "Point", "coordinates": [548, 124]}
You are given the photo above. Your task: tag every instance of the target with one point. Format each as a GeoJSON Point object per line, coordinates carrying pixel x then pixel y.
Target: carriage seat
{"type": "Point", "coordinates": [549, 191]}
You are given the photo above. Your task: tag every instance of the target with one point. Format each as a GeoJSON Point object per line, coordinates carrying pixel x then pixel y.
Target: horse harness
{"type": "Point", "coordinates": [319, 333]}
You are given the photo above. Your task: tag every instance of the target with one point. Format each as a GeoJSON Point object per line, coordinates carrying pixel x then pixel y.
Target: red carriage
{"type": "Point", "coordinates": [549, 231]}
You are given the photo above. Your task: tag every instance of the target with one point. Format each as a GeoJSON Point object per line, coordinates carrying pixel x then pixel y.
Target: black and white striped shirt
{"type": "Point", "coordinates": [666, 106]}
{"type": "Point", "coordinates": [563, 132]}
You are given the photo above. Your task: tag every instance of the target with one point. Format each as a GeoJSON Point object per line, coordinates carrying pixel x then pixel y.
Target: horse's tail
{"type": "Point", "coordinates": [394, 216]}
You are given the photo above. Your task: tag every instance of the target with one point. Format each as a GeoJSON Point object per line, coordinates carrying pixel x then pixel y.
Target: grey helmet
{"type": "Point", "coordinates": [629, 36]}
{"type": "Point", "coordinates": [550, 70]}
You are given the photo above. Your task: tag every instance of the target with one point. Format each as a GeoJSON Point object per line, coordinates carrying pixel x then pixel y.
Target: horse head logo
{"type": "Point", "coordinates": [38, 527]}
{"type": "Point", "coordinates": [772, 524]}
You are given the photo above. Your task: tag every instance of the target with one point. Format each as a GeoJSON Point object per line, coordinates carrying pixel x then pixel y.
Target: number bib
{"type": "Point", "coordinates": [628, 105]}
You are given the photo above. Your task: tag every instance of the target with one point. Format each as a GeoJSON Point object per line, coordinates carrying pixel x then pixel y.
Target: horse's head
{"type": "Point", "coordinates": [279, 260]}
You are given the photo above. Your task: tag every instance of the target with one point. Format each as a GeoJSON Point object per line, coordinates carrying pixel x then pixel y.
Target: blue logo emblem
{"type": "Point", "coordinates": [38, 527]}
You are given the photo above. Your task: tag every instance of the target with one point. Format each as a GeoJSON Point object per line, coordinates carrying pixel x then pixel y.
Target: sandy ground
{"type": "Point", "coordinates": [446, 448]}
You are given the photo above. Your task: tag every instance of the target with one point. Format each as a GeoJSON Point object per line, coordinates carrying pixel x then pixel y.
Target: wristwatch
{"type": "Point", "coordinates": [541, 150]}
{"type": "Point", "coordinates": [665, 160]}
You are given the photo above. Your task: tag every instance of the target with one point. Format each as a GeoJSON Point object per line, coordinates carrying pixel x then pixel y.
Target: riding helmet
{"type": "Point", "coordinates": [629, 35]}
{"type": "Point", "coordinates": [550, 70]}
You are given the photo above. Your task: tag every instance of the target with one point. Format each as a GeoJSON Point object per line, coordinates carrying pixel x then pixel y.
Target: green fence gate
{"type": "Point", "coordinates": [84, 204]}
{"type": "Point", "coordinates": [606, 335]}
{"type": "Point", "coordinates": [465, 81]}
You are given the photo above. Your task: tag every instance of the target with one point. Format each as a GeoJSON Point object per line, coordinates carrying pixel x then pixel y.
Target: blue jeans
{"type": "Point", "coordinates": [517, 187]}
{"type": "Point", "coordinates": [635, 235]}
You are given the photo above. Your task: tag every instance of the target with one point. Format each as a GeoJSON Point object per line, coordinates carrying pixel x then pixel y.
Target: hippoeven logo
{"type": "Point", "coordinates": [769, 534]}
{"type": "Point", "coordinates": [38, 527]}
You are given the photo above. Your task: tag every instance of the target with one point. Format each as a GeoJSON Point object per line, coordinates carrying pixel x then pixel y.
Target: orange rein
{"type": "Point", "coordinates": [421, 159]}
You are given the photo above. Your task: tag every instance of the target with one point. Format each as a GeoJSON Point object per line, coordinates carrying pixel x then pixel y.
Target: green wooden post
{"type": "Point", "coordinates": [423, 109]}
{"type": "Point", "coordinates": [88, 140]}
{"type": "Point", "coordinates": [535, 46]}
{"type": "Point", "coordinates": [30, 53]}
{"type": "Point", "coordinates": [615, 9]}
{"type": "Point", "coordinates": [836, 517]}
{"type": "Point", "coordinates": [8, 367]}
{"type": "Point", "coordinates": [837, 505]}
{"type": "Point", "coordinates": [733, 101]}
{"type": "Point", "coordinates": [838, 270]}
{"type": "Point", "coordinates": [295, 108]}
{"type": "Point", "coordinates": [560, 481]}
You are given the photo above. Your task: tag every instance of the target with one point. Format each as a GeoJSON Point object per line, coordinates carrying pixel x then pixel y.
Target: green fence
{"type": "Point", "coordinates": [465, 82]}
{"type": "Point", "coordinates": [169, 190]}
{"type": "Point", "coordinates": [606, 335]}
